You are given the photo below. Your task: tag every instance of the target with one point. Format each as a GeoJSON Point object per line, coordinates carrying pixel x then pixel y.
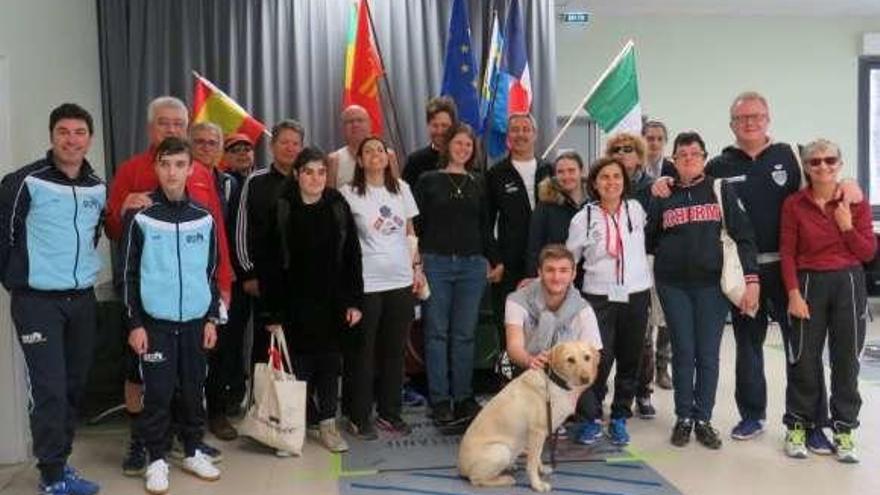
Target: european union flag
{"type": "Point", "coordinates": [460, 73]}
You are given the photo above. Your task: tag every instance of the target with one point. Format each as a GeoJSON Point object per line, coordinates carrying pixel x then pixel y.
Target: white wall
{"type": "Point", "coordinates": [51, 48]}
{"type": "Point", "coordinates": [690, 67]}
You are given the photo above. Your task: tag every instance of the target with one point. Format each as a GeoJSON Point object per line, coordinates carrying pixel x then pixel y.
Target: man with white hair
{"type": "Point", "coordinates": [133, 181]}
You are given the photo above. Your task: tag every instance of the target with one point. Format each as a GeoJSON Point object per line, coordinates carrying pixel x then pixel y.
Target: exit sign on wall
{"type": "Point", "coordinates": [575, 17]}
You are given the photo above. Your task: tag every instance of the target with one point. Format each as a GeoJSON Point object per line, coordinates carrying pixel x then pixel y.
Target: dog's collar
{"type": "Point", "coordinates": [555, 378]}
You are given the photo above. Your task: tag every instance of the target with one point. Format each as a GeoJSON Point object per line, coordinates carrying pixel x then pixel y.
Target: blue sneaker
{"type": "Point", "coordinates": [747, 429]}
{"type": "Point", "coordinates": [590, 433]}
{"type": "Point", "coordinates": [57, 488]}
{"type": "Point", "coordinates": [818, 443]}
{"type": "Point", "coordinates": [617, 431]}
{"type": "Point", "coordinates": [79, 485]}
{"type": "Point", "coordinates": [411, 398]}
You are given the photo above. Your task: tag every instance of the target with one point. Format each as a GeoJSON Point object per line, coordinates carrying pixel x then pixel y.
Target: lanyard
{"type": "Point", "coordinates": [617, 250]}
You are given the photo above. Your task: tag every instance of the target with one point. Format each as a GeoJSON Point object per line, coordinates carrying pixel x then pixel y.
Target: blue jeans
{"type": "Point", "coordinates": [450, 318]}
{"type": "Point", "coordinates": [695, 318]}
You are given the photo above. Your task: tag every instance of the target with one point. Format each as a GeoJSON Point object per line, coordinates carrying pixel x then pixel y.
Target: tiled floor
{"type": "Point", "coordinates": [755, 467]}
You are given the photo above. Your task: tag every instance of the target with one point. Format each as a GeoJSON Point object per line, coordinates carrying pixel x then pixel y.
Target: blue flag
{"type": "Point", "coordinates": [460, 73]}
{"type": "Point", "coordinates": [513, 89]}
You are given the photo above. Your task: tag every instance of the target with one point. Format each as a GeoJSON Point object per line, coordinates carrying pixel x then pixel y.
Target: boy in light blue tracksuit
{"type": "Point", "coordinates": [172, 307]}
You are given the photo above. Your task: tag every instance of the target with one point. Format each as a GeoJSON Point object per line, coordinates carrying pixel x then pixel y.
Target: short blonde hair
{"type": "Point", "coordinates": [626, 139]}
{"type": "Point", "coordinates": [817, 145]}
{"type": "Point", "coordinates": [749, 96]}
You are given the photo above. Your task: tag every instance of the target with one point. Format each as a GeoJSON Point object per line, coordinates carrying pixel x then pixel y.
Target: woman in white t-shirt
{"type": "Point", "coordinates": [383, 209]}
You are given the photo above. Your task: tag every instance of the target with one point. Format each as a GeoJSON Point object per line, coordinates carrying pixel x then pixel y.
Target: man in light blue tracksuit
{"type": "Point", "coordinates": [50, 220]}
{"type": "Point", "coordinates": [172, 308]}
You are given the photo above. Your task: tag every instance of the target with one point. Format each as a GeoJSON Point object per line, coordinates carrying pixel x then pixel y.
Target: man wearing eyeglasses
{"type": "Point", "coordinates": [765, 173]}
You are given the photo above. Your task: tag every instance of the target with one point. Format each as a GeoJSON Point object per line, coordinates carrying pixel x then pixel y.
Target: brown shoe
{"type": "Point", "coordinates": [663, 379]}
{"type": "Point", "coordinates": [221, 428]}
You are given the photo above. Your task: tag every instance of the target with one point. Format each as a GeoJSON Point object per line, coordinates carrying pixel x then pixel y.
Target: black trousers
{"type": "Point", "coordinates": [750, 333]}
{"type": "Point", "coordinates": [387, 317]}
{"type": "Point", "coordinates": [57, 336]}
{"type": "Point", "coordinates": [623, 327]}
{"type": "Point", "coordinates": [321, 373]}
{"type": "Point", "coordinates": [225, 384]}
{"type": "Point", "coordinates": [173, 364]}
{"type": "Point", "coordinates": [838, 310]}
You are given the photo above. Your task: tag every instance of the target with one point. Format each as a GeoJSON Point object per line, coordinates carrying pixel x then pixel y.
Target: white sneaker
{"type": "Point", "coordinates": [283, 453]}
{"type": "Point", "coordinates": [201, 466]}
{"type": "Point", "coordinates": [330, 436]}
{"type": "Point", "coordinates": [156, 477]}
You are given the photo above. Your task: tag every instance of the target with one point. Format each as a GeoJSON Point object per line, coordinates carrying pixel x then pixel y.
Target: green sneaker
{"type": "Point", "coordinates": [846, 447]}
{"type": "Point", "coordinates": [796, 442]}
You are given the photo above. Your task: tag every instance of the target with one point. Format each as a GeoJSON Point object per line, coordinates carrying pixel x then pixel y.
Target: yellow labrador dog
{"type": "Point", "coordinates": [515, 420]}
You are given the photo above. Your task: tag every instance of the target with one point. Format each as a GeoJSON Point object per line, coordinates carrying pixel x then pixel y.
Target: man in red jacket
{"type": "Point", "coordinates": [167, 116]}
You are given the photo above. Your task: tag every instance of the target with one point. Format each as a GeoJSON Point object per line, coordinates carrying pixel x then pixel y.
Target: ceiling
{"type": "Point", "coordinates": [724, 7]}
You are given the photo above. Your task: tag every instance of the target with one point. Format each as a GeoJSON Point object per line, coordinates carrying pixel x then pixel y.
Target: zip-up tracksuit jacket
{"type": "Point", "coordinates": [49, 230]}
{"type": "Point", "coordinates": [170, 256]}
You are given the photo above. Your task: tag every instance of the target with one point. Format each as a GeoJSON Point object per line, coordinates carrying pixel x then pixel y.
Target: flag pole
{"type": "Point", "coordinates": [218, 90]}
{"type": "Point", "coordinates": [489, 111]}
{"type": "Point", "coordinates": [387, 84]}
{"type": "Point", "coordinates": [629, 44]}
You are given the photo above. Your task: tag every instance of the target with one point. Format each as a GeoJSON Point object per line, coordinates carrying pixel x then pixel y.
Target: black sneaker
{"type": "Point", "coordinates": [644, 408]}
{"type": "Point", "coordinates": [467, 409]}
{"type": "Point", "coordinates": [681, 432]}
{"type": "Point", "coordinates": [442, 413]}
{"type": "Point", "coordinates": [363, 430]}
{"type": "Point", "coordinates": [396, 426]}
{"type": "Point", "coordinates": [707, 435]}
{"type": "Point", "coordinates": [135, 461]}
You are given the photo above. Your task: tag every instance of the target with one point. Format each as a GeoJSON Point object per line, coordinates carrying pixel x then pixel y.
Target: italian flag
{"type": "Point", "coordinates": [614, 100]}
{"type": "Point", "coordinates": [212, 105]}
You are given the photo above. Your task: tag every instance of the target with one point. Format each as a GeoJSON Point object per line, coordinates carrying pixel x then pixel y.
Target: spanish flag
{"type": "Point", "coordinates": [362, 66]}
{"type": "Point", "coordinates": [212, 105]}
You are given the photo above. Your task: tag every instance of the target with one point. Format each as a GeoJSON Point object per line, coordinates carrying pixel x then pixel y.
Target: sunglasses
{"type": "Point", "coordinates": [828, 160]}
{"type": "Point", "coordinates": [239, 148]}
{"type": "Point", "coordinates": [622, 149]}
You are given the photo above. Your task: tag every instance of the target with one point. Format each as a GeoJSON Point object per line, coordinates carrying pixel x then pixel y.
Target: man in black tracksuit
{"type": "Point", "coordinates": [511, 190]}
{"type": "Point", "coordinates": [257, 202]}
{"type": "Point", "coordinates": [50, 219]}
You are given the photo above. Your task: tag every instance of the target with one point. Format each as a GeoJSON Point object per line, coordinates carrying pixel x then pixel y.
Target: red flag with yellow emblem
{"type": "Point", "coordinates": [212, 105]}
{"type": "Point", "coordinates": [363, 69]}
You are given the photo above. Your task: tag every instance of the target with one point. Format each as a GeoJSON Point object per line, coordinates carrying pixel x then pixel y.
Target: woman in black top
{"type": "Point", "coordinates": [455, 241]}
{"type": "Point", "coordinates": [315, 288]}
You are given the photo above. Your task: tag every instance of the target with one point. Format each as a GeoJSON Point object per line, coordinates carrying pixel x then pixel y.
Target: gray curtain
{"type": "Point", "coordinates": [285, 58]}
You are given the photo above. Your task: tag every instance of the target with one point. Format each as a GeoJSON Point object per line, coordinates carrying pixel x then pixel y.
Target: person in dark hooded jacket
{"type": "Point", "coordinates": [559, 198]}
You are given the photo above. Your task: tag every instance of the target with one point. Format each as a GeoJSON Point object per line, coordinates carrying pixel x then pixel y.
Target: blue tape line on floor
{"type": "Point", "coordinates": [607, 478]}
{"type": "Point", "coordinates": [392, 488]}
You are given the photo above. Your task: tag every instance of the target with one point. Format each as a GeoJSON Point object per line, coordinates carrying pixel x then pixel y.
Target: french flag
{"type": "Point", "coordinates": [513, 93]}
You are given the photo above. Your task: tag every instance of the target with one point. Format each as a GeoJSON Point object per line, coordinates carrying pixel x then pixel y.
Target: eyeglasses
{"type": "Point", "coordinates": [685, 156]}
{"type": "Point", "coordinates": [211, 143]}
{"type": "Point", "coordinates": [831, 161]}
{"type": "Point", "coordinates": [622, 149]}
{"type": "Point", "coordinates": [751, 117]}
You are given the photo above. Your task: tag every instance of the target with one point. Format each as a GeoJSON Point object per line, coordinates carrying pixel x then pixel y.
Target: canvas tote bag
{"type": "Point", "coordinates": [277, 415]}
{"type": "Point", "coordinates": [733, 281]}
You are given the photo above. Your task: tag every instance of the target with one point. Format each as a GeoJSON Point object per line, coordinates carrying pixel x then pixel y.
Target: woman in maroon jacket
{"type": "Point", "coordinates": [823, 243]}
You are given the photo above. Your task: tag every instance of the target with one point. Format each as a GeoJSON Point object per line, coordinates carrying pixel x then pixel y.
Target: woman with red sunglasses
{"type": "Point", "coordinates": [823, 243]}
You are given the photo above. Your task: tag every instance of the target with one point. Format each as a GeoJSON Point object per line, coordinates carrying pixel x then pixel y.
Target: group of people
{"type": "Point", "coordinates": [335, 251]}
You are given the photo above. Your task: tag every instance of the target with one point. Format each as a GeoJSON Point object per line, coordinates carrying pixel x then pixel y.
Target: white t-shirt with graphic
{"type": "Point", "coordinates": [526, 170]}
{"type": "Point", "coordinates": [381, 218]}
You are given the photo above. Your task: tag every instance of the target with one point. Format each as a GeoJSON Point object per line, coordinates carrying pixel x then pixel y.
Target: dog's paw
{"type": "Point", "coordinates": [545, 469]}
{"type": "Point", "coordinates": [541, 486]}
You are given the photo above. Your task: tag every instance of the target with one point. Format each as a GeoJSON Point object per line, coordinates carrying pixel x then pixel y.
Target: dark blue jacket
{"type": "Point", "coordinates": [762, 184]}
{"type": "Point", "coordinates": [49, 227]}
